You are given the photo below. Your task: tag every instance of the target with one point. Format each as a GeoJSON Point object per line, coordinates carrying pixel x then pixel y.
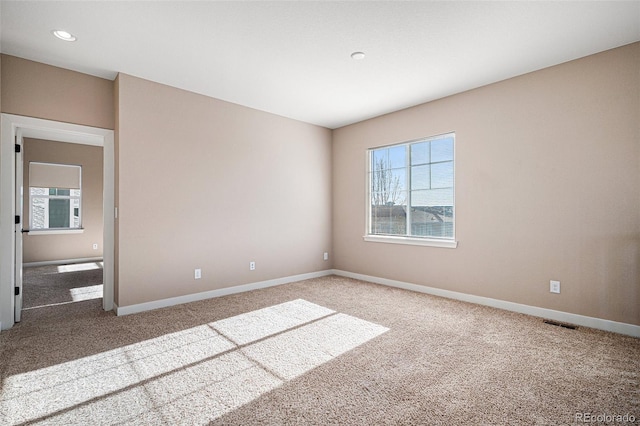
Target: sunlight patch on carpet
{"type": "Point", "coordinates": [80, 267]}
{"type": "Point", "coordinates": [86, 293]}
{"type": "Point", "coordinates": [252, 326]}
{"type": "Point", "coordinates": [194, 375]}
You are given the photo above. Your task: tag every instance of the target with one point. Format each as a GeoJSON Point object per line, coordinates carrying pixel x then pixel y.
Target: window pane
{"type": "Point", "coordinates": [420, 153]}
{"type": "Point", "coordinates": [380, 159]}
{"type": "Point", "coordinates": [39, 213]}
{"type": "Point", "coordinates": [388, 186]}
{"type": "Point", "coordinates": [389, 195]}
{"type": "Point", "coordinates": [379, 223]}
{"type": "Point", "coordinates": [420, 177]}
{"type": "Point", "coordinates": [432, 198]}
{"type": "Point", "coordinates": [398, 218]}
{"type": "Point", "coordinates": [60, 191]}
{"type": "Point", "coordinates": [398, 180]}
{"type": "Point", "coordinates": [442, 150]}
{"type": "Point", "coordinates": [76, 213]}
{"type": "Point", "coordinates": [427, 221]}
{"type": "Point", "coordinates": [378, 199]}
{"type": "Point", "coordinates": [59, 213]}
{"type": "Point", "coordinates": [389, 220]}
{"type": "Point", "coordinates": [397, 157]}
{"type": "Point", "coordinates": [442, 175]}
{"type": "Point", "coordinates": [435, 229]}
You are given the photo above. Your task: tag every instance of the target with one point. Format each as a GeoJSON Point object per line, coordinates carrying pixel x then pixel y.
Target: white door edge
{"type": "Point", "coordinates": [19, 164]}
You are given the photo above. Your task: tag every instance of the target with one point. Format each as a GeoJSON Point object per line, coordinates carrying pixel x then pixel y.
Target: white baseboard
{"type": "Point", "coordinates": [62, 262]}
{"type": "Point", "coordinates": [172, 301]}
{"type": "Point", "coordinates": [566, 317]}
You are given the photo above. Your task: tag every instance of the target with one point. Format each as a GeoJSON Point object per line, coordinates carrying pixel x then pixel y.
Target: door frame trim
{"type": "Point", "coordinates": [61, 132]}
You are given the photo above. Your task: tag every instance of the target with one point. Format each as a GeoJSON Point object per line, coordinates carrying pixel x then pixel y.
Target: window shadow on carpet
{"type": "Point", "coordinates": [195, 375]}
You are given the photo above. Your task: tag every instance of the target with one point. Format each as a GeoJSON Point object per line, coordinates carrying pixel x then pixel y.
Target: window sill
{"type": "Point", "coordinates": [55, 231]}
{"type": "Point", "coordinates": [411, 241]}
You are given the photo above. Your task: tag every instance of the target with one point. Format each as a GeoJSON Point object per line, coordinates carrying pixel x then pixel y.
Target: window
{"type": "Point", "coordinates": [54, 196]}
{"type": "Point", "coordinates": [411, 192]}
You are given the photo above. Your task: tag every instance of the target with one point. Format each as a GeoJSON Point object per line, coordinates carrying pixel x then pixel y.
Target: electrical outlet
{"type": "Point", "coordinates": [554, 286]}
{"type": "Point", "coordinates": [252, 266]}
{"type": "Point", "coordinates": [95, 246]}
{"type": "Point", "coordinates": [197, 274]}
{"type": "Point", "coordinates": [326, 256]}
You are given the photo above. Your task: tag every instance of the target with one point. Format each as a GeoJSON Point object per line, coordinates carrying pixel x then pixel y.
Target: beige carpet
{"type": "Point", "coordinates": [324, 351]}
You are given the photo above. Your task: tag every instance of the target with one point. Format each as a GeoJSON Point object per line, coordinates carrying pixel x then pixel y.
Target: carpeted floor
{"type": "Point", "coordinates": [323, 351]}
{"type": "Point", "coordinates": [58, 284]}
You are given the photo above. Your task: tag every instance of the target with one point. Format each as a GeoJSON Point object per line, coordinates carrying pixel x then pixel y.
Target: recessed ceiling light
{"type": "Point", "coordinates": [64, 35]}
{"type": "Point", "coordinates": [357, 56]}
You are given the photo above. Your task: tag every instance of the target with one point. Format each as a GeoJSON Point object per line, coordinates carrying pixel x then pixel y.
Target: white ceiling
{"type": "Point", "coordinates": [293, 58]}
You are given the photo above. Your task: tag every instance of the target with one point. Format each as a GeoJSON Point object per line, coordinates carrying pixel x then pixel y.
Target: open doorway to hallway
{"type": "Point", "coordinates": [62, 235]}
{"type": "Point", "coordinates": [12, 131]}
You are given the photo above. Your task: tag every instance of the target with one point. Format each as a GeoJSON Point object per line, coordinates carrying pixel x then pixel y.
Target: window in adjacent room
{"type": "Point", "coordinates": [55, 196]}
{"type": "Point", "coordinates": [411, 192]}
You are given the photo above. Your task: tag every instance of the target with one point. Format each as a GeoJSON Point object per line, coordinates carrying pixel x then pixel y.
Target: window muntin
{"type": "Point", "coordinates": [411, 189]}
{"type": "Point", "coordinates": [55, 208]}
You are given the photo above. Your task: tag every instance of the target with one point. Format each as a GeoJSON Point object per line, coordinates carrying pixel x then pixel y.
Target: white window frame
{"type": "Point", "coordinates": [409, 239]}
{"type": "Point", "coordinates": [50, 231]}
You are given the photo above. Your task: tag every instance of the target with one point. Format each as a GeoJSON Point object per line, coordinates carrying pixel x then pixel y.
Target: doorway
{"type": "Point", "coordinates": [62, 224]}
{"type": "Point", "coordinates": [11, 224]}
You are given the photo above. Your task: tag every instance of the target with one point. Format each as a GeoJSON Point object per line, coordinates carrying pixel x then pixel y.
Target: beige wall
{"type": "Point", "coordinates": [208, 184]}
{"type": "Point", "coordinates": [548, 171]}
{"type": "Point", "coordinates": [39, 248]}
{"type": "Point", "coordinates": [37, 90]}
{"type": "Point", "coordinates": [547, 178]}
